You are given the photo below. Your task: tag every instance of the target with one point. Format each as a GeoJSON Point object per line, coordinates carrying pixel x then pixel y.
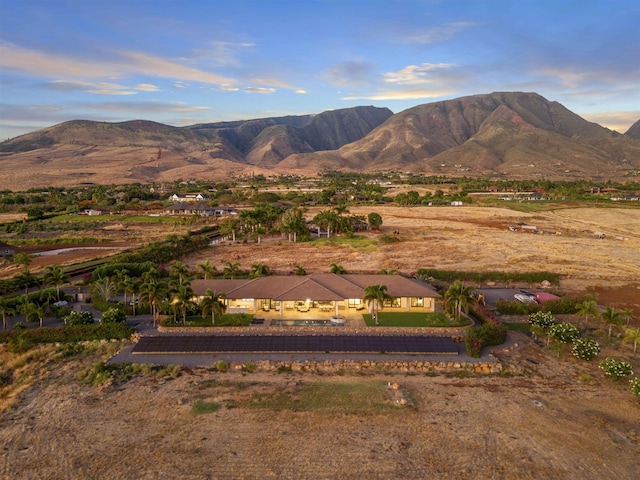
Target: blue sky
{"type": "Point", "coordinates": [182, 62]}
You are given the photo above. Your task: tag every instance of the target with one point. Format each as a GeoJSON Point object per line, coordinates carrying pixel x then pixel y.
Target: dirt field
{"type": "Point", "coordinates": [561, 419]}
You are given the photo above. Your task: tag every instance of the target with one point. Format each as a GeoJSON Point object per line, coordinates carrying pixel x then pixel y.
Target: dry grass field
{"type": "Point", "coordinates": [560, 418]}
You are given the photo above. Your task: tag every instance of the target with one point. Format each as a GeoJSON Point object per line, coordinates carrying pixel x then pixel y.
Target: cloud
{"type": "Point", "coordinates": [141, 108]}
{"type": "Point", "coordinates": [409, 94]}
{"type": "Point", "coordinates": [180, 85]}
{"type": "Point", "coordinates": [301, 91]}
{"type": "Point", "coordinates": [352, 73]}
{"type": "Point", "coordinates": [147, 87]}
{"type": "Point", "coordinates": [52, 65]}
{"type": "Point", "coordinates": [618, 121]}
{"type": "Point", "coordinates": [416, 74]}
{"type": "Point", "coordinates": [268, 91]}
{"type": "Point", "coordinates": [438, 34]}
{"type": "Point", "coordinates": [228, 88]}
{"type": "Point", "coordinates": [221, 54]}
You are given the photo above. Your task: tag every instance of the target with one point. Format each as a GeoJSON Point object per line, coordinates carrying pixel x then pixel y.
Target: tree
{"type": "Point", "coordinates": [293, 223]}
{"type": "Point", "coordinates": [458, 299]}
{"type": "Point", "coordinates": [39, 310]}
{"type": "Point", "coordinates": [374, 220]}
{"type": "Point", "coordinates": [230, 226]}
{"type": "Point", "coordinates": [22, 259]}
{"type": "Point", "coordinates": [231, 270]}
{"type": "Point", "coordinates": [26, 278]}
{"type": "Point", "coordinates": [6, 310]}
{"type": "Point", "coordinates": [587, 309]}
{"type": "Point", "coordinates": [79, 318]}
{"type": "Point", "coordinates": [374, 298]}
{"type": "Point", "coordinates": [180, 271]}
{"type": "Point", "coordinates": [132, 286]}
{"type": "Point", "coordinates": [54, 275]}
{"type": "Point", "coordinates": [153, 292]}
{"type": "Point", "coordinates": [326, 219]}
{"type": "Point", "coordinates": [563, 333]}
{"type": "Point", "coordinates": [631, 335]}
{"type": "Point", "coordinates": [610, 318]}
{"type": "Point", "coordinates": [104, 289]}
{"type": "Point", "coordinates": [181, 299]}
{"type": "Point", "coordinates": [213, 302]}
{"type": "Point", "coordinates": [259, 270]}
{"type": "Point", "coordinates": [337, 269]}
{"type": "Point", "coordinates": [207, 269]}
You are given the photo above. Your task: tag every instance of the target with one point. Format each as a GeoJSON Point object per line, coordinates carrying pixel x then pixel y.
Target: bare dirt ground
{"type": "Point", "coordinates": [560, 419]}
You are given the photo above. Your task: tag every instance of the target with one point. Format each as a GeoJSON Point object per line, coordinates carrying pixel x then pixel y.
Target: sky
{"type": "Point", "coordinates": [183, 62]}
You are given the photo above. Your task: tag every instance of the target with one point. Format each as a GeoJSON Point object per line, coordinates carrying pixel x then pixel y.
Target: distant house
{"type": "Point", "coordinates": [189, 197]}
{"type": "Point", "coordinates": [189, 209]}
{"type": "Point", "coordinates": [92, 213]}
{"type": "Point", "coordinates": [6, 250]}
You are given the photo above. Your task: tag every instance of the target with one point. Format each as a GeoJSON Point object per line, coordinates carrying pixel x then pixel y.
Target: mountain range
{"type": "Point", "coordinates": [512, 134]}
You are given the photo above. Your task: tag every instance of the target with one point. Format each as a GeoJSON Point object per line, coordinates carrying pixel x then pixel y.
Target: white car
{"type": "Point", "coordinates": [525, 298]}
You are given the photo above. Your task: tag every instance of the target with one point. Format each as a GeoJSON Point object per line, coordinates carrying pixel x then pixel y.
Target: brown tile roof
{"type": "Point", "coordinates": [319, 287]}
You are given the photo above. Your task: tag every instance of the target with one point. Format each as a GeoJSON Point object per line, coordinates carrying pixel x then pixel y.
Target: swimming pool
{"type": "Point", "coordinates": [302, 323]}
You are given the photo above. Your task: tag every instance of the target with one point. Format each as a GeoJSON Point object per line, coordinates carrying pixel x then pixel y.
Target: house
{"type": "Point", "coordinates": [6, 250]}
{"type": "Point", "coordinates": [189, 209]}
{"type": "Point", "coordinates": [321, 294]}
{"type": "Point", "coordinates": [189, 197]}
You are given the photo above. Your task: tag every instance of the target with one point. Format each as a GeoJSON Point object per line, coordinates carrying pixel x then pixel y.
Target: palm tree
{"type": "Point", "coordinates": [22, 259]}
{"type": "Point", "coordinates": [180, 271]}
{"type": "Point", "coordinates": [104, 289]}
{"type": "Point", "coordinates": [231, 270]}
{"type": "Point", "coordinates": [326, 219]}
{"type": "Point", "coordinates": [32, 308]}
{"type": "Point", "coordinates": [610, 318]}
{"type": "Point", "coordinates": [54, 275]}
{"type": "Point", "coordinates": [207, 269]}
{"type": "Point", "coordinates": [26, 278]}
{"type": "Point", "coordinates": [121, 275]}
{"type": "Point", "coordinates": [182, 298]}
{"type": "Point", "coordinates": [374, 297]}
{"type": "Point", "coordinates": [293, 223]}
{"type": "Point", "coordinates": [458, 299]}
{"type": "Point", "coordinates": [587, 308]}
{"type": "Point", "coordinates": [337, 269]}
{"type": "Point", "coordinates": [6, 310]}
{"type": "Point", "coordinates": [132, 286]}
{"type": "Point", "coordinates": [259, 270]}
{"type": "Point", "coordinates": [213, 302]}
{"type": "Point", "coordinates": [229, 226]}
{"type": "Point", "coordinates": [153, 292]}
{"type": "Point", "coordinates": [632, 335]}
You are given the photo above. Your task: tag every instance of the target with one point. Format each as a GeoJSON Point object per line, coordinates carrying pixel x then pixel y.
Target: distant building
{"type": "Point", "coordinates": [189, 197]}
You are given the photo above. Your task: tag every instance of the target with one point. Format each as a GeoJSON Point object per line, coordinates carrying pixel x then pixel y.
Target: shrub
{"type": "Point", "coordinates": [19, 326]}
{"type": "Point", "coordinates": [222, 366]}
{"type": "Point", "coordinates": [635, 386]}
{"type": "Point", "coordinates": [564, 332]}
{"type": "Point", "coordinates": [616, 368]}
{"type": "Point", "coordinates": [585, 349]}
{"type": "Point", "coordinates": [514, 307]}
{"type": "Point", "coordinates": [473, 343]}
{"type": "Point", "coordinates": [493, 333]}
{"type": "Point", "coordinates": [79, 318]}
{"type": "Point", "coordinates": [249, 367]}
{"type": "Point", "coordinates": [113, 315]}
{"type": "Point", "coordinates": [544, 320]}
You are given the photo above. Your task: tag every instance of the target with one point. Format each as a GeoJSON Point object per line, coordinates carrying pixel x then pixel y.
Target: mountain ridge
{"type": "Point", "coordinates": [518, 134]}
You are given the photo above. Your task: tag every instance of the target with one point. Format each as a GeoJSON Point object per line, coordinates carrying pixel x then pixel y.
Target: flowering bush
{"type": "Point", "coordinates": [544, 320]}
{"type": "Point", "coordinates": [113, 315]}
{"type": "Point", "coordinates": [616, 368]}
{"type": "Point", "coordinates": [564, 332]}
{"type": "Point", "coordinates": [635, 386]}
{"type": "Point", "coordinates": [79, 318]}
{"type": "Point", "coordinates": [585, 348]}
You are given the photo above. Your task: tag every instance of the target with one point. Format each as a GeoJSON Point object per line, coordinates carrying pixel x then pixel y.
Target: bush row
{"type": "Point", "coordinates": [74, 333]}
{"type": "Point", "coordinates": [490, 276]}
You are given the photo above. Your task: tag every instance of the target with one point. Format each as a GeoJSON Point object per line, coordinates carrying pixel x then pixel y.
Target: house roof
{"type": "Point", "coordinates": [319, 287]}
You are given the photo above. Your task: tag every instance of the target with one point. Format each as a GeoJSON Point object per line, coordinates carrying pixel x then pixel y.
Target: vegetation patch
{"type": "Point", "coordinates": [413, 319]}
{"type": "Point", "coordinates": [202, 407]}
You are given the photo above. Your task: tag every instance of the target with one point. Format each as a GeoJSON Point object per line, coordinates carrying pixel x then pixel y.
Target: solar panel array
{"type": "Point", "coordinates": [297, 344]}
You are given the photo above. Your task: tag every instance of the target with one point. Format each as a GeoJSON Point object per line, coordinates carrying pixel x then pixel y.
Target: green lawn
{"type": "Point", "coordinates": [411, 319]}
{"type": "Point", "coordinates": [518, 327]}
{"type": "Point", "coordinates": [356, 242]}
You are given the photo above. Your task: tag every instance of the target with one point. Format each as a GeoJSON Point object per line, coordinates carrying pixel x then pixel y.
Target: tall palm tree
{"type": "Point", "coordinates": [26, 278]}
{"type": "Point", "coordinates": [181, 299]}
{"type": "Point", "coordinates": [54, 275]}
{"type": "Point", "coordinates": [6, 310]}
{"type": "Point", "coordinates": [104, 289]}
{"type": "Point", "coordinates": [587, 309]}
{"type": "Point", "coordinates": [326, 219]}
{"type": "Point", "coordinates": [153, 292]}
{"type": "Point", "coordinates": [132, 287]}
{"type": "Point", "coordinates": [337, 269]}
{"type": "Point", "coordinates": [259, 270]}
{"type": "Point", "coordinates": [207, 269]}
{"type": "Point", "coordinates": [213, 302]}
{"type": "Point", "coordinates": [30, 309]}
{"type": "Point", "coordinates": [458, 299]}
{"type": "Point", "coordinates": [632, 335]}
{"type": "Point", "coordinates": [374, 298]}
{"type": "Point", "coordinates": [610, 318]}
